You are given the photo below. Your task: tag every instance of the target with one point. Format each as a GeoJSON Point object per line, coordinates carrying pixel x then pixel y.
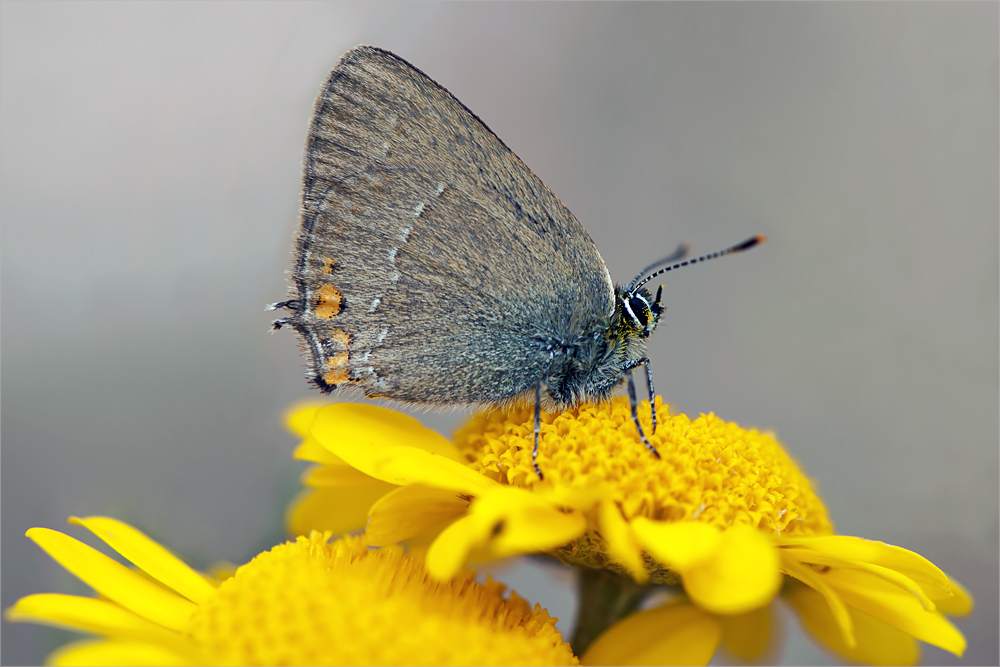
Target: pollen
{"type": "Point", "coordinates": [328, 302]}
{"type": "Point", "coordinates": [710, 470]}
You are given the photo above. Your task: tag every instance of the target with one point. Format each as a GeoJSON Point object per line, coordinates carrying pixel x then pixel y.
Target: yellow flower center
{"type": "Point", "coordinates": [709, 471]}
{"type": "Point", "coordinates": [310, 602]}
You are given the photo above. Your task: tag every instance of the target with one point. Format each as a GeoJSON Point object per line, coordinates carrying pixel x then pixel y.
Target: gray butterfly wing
{"type": "Point", "coordinates": [431, 264]}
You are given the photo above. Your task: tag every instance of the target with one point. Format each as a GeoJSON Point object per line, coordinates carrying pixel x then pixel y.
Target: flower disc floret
{"type": "Point", "coordinates": [312, 602]}
{"type": "Point", "coordinates": [304, 602]}
{"type": "Point", "coordinates": [709, 470]}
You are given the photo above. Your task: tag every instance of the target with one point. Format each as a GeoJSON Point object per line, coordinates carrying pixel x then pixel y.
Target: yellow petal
{"type": "Point", "coordinates": [926, 574]}
{"type": "Point", "coordinates": [518, 522]}
{"type": "Point", "coordinates": [393, 447]}
{"type": "Point", "coordinates": [408, 510]}
{"type": "Point", "coordinates": [749, 635]}
{"type": "Point", "coordinates": [311, 450]}
{"type": "Point", "coordinates": [898, 578]}
{"type": "Point", "coordinates": [115, 653]}
{"type": "Point", "coordinates": [883, 600]}
{"type": "Point", "coordinates": [449, 552]}
{"type": "Point", "coordinates": [959, 603]}
{"type": "Point", "coordinates": [674, 634]}
{"type": "Point", "coordinates": [299, 417]}
{"type": "Point", "coordinates": [360, 424]}
{"type": "Point", "coordinates": [101, 617]}
{"type": "Point", "coordinates": [507, 521]}
{"type": "Point", "coordinates": [877, 642]}
{"type": "Point", "coordinates": [422, 541]}
{"type": "Point", "coordinates": [677, 545]}
{"type": "Point", "coordinates": [339, 510]}
{"type": "Point", "coordinates": [115, 581]}
{"type": "Point", "coordinates": [577, 498]}
{"type": "Point", "coordinates": [149, 556]}
{"type": "Point", "coordinates": [337, 475]}
{"type": "Point", "coordinates": [744, 573]}
{"type": "Point", "coordinates": [621, 545]}
{"type": "Point", "coordinates": [838, 610]}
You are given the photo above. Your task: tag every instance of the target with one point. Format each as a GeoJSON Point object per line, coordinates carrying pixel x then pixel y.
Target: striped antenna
{"type": "Point", "coordinates": [739, 247]}
{"type": "Point", "coordinates": [682, 250]}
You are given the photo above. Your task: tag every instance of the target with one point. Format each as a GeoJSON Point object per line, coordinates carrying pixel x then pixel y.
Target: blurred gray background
{"type": "Point", "coordinates": [150, 174]}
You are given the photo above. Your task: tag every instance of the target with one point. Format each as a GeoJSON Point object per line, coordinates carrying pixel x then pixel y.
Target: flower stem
{"type": "Point", "coordinates": [605, 598]}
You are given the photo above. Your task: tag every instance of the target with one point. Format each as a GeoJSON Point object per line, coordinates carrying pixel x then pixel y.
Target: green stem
{"type": "Point", "coordinates": [605, 598]}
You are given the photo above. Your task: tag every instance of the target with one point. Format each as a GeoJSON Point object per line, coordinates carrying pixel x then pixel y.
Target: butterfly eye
{"type": "Point", "coordinates": [640, 309]}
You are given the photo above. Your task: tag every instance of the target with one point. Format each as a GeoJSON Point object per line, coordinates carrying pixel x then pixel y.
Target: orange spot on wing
{"type": "Point", "coordinates": [341, 336]}
{"type": "Point", "coordinates": [328, 302]}
{"type": "Point", "coordinates": [336, 373]}
{"type": "Point", "coordinates": [336, 360]}
{"type": "Point", "coordinates": [338, 376]}
{"type": "Point", "coordinates": [327, 266]}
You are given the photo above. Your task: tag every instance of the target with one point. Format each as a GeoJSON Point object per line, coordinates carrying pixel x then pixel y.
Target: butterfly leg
{"type": "Point", "coordinates": [635, 413]}
{"type": "Point", "coordinates": [652, 392]}
{"type": "Point", "coordinates": [538, 427]}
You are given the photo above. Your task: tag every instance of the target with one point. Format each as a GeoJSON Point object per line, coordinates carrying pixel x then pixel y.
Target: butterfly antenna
{"type": "Point", "coordinates": [682, 250]}
{"type": "Point", "coordinates": [739, 247]}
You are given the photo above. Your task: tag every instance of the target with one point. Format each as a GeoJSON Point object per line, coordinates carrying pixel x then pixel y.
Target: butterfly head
{"type": "Point", "coordinates": [637, 312]}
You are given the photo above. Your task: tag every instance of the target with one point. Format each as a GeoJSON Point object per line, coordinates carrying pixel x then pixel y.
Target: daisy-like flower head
{"type": "Point", "coordinates": [725, 514]}
{"type": "Point", "coordinates": [304, 602]}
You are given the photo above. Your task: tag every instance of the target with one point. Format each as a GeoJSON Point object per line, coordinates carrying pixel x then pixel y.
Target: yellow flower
{"type": "Point", "coordinates": [724, 513]}
{"type": "Point", "coordinates": [861, 611]}
{"type": "Point", "coordinates": [303, 602]}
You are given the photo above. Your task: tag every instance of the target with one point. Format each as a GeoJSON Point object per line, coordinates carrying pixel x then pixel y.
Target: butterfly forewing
{"type": "Point", "coordinates": [430, 260]}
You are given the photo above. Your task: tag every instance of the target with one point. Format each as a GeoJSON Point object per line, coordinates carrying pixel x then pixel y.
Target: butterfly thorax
{"type": "Point", "coordinates": [589, 368]}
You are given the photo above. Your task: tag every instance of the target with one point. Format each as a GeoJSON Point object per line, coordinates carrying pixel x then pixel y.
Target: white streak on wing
{"type": "Point", "coordinates": [394, 278]}
{"type": "Point", "coordinates": [382, 333]}
{"type": "Point", "coordinates": [375, 302]}
{"type": "Point", "coordinates": [405, 234]}
{"type": "Point", "coordinates": [418, 210]}
{"type": "Point", "coordinates": [440, 189]}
